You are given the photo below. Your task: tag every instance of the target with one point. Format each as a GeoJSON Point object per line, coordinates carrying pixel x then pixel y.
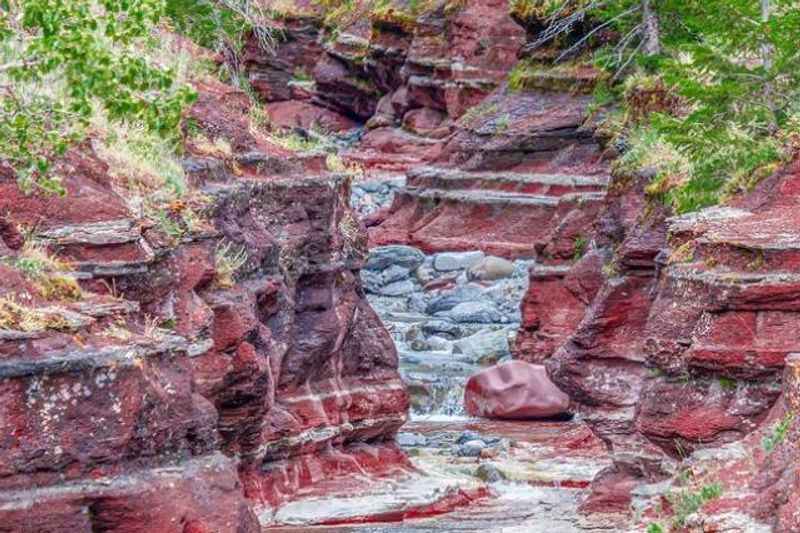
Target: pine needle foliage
{"type": "Point", "coordinates": [729, 72]}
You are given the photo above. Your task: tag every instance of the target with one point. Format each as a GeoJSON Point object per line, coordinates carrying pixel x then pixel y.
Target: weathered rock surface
{"type": "Point", "coordinates": [507, 214]}
{"type": "Point", "coordinates": [515, 390]}
{"type": "Point", "coordinates": [676, 341]}
{"type": "Point", "coordinates": [181, 402]}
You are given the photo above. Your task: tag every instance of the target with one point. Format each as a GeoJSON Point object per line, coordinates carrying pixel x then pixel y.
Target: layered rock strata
{"type": "Point", "coordinates": [673, 333]}
{"type": "Point", "coordinates": [176, 381]}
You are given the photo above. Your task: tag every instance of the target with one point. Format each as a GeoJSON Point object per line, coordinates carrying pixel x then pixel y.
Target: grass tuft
{"type": "Point", "coordinates": [228, 259]}
{"type": "Point", "coordinates": [20, 317]}
{"type": "Point", "coordinates": [778, 433]}
{"type": "Point", "coordinates": [335, 163]}
{"type": "Point", "coordinates": [46, 272]}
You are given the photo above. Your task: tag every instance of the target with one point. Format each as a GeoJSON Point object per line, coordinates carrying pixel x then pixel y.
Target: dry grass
{"type": "Point", "coordinates": [218, 148]}
{"type": "Point", "coordinates": [314, 142]}
{"type": "Point", "coordinates": [140, 162]}
{"type": "Point", "coordinates": [336, 164]}
{"type": "Point", "coordinates": [152, 328]}
{"type": "Point", "coordinates": [117, 331]}
{"type": "Point", "coordinates": [228, 259]}
{"type": "Point", "coordinates": [533, 9]}
{"type": "Point", "coordinates": [20, 317]}
{"type": "Point", "coordinates": [47, 272]}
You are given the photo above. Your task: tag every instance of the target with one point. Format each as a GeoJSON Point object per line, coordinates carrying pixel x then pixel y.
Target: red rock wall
{"type": "Point", "coordinates": [248, 391]}
{"type": "Point", "coordinates": [683, 342]}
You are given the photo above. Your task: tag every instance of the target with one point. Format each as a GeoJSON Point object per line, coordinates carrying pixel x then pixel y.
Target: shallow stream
{"type": "Point", "coordinates": [451, 315]}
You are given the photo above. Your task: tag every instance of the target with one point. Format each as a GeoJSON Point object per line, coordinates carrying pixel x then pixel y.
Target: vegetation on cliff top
{"type": "Point", "coordinates": [65, 60]}
{"type": "Point", "coordinates": [711, 103]}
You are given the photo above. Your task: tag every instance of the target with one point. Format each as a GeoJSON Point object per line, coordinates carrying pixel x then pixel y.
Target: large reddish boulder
{"type": "Point", "coordinates": [514, 390]}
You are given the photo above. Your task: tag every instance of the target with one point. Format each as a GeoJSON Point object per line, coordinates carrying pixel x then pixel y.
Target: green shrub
{"type": "Point", "coordinates": [778, 433]}
{"type": "Point", "coordinates": [65, 60]}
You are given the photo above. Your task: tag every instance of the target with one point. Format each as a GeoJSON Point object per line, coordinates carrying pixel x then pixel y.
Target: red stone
{"type": "Point", "coordinates": [304, 114]}
{"type": "Point", "coordinates": [514, 390]}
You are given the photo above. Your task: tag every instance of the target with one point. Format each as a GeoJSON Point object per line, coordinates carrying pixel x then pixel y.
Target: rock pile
{"type": "Point", "coordinates": [449, 313]}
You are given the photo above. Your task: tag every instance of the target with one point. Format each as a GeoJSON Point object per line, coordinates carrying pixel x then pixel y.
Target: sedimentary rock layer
{"type": "Point", "coordinates": [176, 397]}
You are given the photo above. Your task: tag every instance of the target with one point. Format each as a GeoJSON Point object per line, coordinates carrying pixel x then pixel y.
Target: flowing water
{"type": "Point", "coordinates": [446, 326]}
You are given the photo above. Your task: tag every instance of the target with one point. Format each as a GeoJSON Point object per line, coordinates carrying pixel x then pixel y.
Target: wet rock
{"type": "Point", "coordinates": [425, 274]}
{"type": "Point", "coordinates": [440, 344]}
{"type": "Point", "coordinates": [412, 333]}
{"type": "Point", "coordinates": [485, 347]}
{"type": "Point", "coordinates": [445, 302]}
{"type": "Point", "coordinates": [489, 473]}
{"type": "Point", "coordinates": [398, 288]}
{"type": "Point", "coordinates": [368, 197]}
{"type": "Point", "coordinates": [372, 280]}
{"type": "Point", "coordinates": [432, 327]}
{"type": "Point", "coordinates": [404, 256]}
{"type": "Point", "coordinates": [514, 390]}
{"type": "Point", "coordinates": [417, 302]}
{"type": "Point", "coordinates": [479, 312]}
{"type": "Point", "coordinates": [471, 448]}
{"type": "Point", "coordinates": [394, 273]}
{"type": "Point", "coordinates": [449, 261]}
{"type": "Point", "coordinates": [491, 268]}
{"type": "Point", "coordinates": [411, 439]}
{"type": "Point", "coordinates": [419, 345]}
{"type": "Point", "coordinates": [467, 436]}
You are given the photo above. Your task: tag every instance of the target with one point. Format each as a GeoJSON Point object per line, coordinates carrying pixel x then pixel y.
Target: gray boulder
{"type": "Point", "coordinates": [411, 439]}
{"type": "Point", "coordinates": [371, 280]}
{"type": "Point", "coordinates": [398, 288]}
{"type": "Point", "coordinates": [394, 273]}
{"type": "Point", "coordinates": [489, 473]}
{"type": "Point", "coordinates": [472, 448]}
{"type": "Point", "coordinates": [417, 302]}
{"type": "Point", "coordinates": [439, 344]}
{"type": "Point", "coordinates": [447, 301]}
{"type": "Point", "coordinates": [449, 261]}
{"type": "Point", "coordinates": [404, 256]}
{"type": "Point", "coordinates": [491, 268]}
{"type": "Point", "coordinates": [485, 347]}
{"type": "Point", "coordinates": [437, 327]}
{"type": "Point", "coordinates": [425, 273]}
{"type": "Point", "coordinates": [478, 312]}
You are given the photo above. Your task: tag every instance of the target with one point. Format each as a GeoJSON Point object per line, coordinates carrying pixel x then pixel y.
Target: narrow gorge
{"type": "Point", "coordinates": [407, 286]}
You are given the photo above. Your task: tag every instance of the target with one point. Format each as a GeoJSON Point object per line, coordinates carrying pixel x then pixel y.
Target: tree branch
{"type": "Point", "coordinates": [586, 37]}
{"type": "Point", "coordinates": [564, 25]}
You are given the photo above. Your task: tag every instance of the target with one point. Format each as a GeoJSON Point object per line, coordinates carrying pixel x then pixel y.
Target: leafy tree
{"type": "Point", "coordinates": [65, 60]}
{"type": "Point", "coordinates": [222, 24]}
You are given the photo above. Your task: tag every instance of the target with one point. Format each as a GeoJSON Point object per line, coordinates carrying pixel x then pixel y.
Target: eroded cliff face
{"type": "Point", "coordinates": [671, 334]}
{"type": "Point", "coordinates": [178, 394]}
{"type": "Point", "coordinates": [181, 394]}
